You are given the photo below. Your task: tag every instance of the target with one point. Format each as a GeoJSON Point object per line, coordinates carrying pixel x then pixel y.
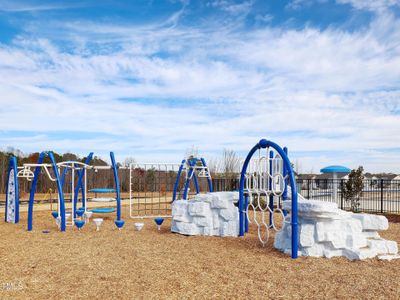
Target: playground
{"type": "Point", "coordinates": [150, 263]}
{"type": "Point", "coordinates": [207, 244]}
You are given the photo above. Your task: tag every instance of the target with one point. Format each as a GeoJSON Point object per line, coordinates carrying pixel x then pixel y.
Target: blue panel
{"type": "Point", "coordinates": [12, 193]}
{"type": "Point", "coordinates": [102, 190]}
{"type": "Point", "coordinates": [103, 210]}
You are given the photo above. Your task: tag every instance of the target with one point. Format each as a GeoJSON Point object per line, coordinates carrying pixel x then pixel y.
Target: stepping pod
{"type": "Point", "coordinates": [159, 222]}
{"type": "Point", "coordinates": [139, 226]}
{"type": "Point", "coordinates": [79, 224]}
{"type": "Point", "coordinates": [98, 222]}
{"type": "Point", "coordinates": [119, 224]}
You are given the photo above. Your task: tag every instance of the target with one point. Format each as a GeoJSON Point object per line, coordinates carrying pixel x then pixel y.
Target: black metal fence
{"type": "Point", "coordinates": [378, 196]}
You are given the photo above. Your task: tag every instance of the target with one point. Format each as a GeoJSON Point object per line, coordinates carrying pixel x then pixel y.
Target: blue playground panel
{"type": "Point", "coordinates": [102, 190]}
{"type": "Point", "coordinates": [103, 210]}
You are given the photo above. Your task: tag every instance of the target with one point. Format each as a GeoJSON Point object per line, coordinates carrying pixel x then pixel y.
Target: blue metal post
{"type": "Point", "coordinates": [271, 197]}
{"type": "Point", "coordinates": [80, 185]}
{"type": "Point", "coordinates": [177, 180]}
{"type": "Point", "coordinates": [285, 173]}
{"type": "Point", "coordinates": [64, 174]}
{"type": "Point", "coordinates": [60, 190]}
{"type": "Point", "coordinates": [116, 179]}
{"type": "Point", "coordinates": [246, 220]}
{"type": "Point", "coordinates": [33, 190]}
{"type": "Point", "coordinates": [192, 163]}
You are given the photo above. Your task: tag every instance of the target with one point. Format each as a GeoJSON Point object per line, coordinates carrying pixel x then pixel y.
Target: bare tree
{"type": "Point", "coordinates": [129, 160]}
{"type": "Point", "coordinates": [231, 163]}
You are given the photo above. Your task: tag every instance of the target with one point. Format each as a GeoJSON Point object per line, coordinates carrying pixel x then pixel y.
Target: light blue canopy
{"type": "Point", "coordinates": [335, 169]}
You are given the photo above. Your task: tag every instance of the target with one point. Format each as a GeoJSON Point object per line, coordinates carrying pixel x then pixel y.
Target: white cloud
{"type": "Point", "coordinates": [312, 90]}
{"type": "Point", "coordinates": [374, 5]}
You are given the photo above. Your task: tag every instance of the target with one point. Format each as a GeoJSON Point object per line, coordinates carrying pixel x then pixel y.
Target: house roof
{"type": "Point", "coordinates": [335, 169]}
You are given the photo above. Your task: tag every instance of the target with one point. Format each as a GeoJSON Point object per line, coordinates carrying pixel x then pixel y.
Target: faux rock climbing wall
{"type": "Point", "coordinates": [327, 231]}
{"type": "Point", "coordinates": [207, 214]}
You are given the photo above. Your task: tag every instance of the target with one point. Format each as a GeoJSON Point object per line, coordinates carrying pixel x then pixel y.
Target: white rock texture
{"type": "Point", "coordinates": [327, 231]}
{"type": "Point", "coordinates": [207, 214]}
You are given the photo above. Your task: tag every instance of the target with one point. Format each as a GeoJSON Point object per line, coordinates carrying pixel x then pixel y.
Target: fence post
{"type": "Point", "coordinates": [381, 196]}
{"type": "Point", "coordinates": [308, 188]}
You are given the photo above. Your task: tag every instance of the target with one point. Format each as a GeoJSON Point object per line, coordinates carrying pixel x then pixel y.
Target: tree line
{"type": "Point", "coordinates": [225, 168]}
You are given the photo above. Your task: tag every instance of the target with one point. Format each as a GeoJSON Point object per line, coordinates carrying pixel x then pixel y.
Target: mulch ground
{"type": "Point", "coordinates": [149, 264]}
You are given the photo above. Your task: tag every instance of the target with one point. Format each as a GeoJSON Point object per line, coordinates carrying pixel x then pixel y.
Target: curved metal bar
{"type": "Point", "coordinates": [177, 180]}
{"type": "Point", "coordinates": [64, 174]}
{"type": "Point", "coordinates": [116, 179]}
{"type": "Point", "coordinates": [242, 210]}
{"type": "Point", "coordinates": [33, 190]}
{"type": "Point", "coordinates": [60, 190]}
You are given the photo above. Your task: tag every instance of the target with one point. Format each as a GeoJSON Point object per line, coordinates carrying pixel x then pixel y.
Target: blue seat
{"type": "Point", "coordinates": [103, 210]}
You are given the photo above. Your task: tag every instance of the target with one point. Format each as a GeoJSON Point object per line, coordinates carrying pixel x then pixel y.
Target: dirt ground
{"type": "Point", "coordinates": [149, 264]}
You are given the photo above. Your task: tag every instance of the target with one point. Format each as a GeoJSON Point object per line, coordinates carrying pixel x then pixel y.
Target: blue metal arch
{"type": "Point", "coordinates": [42, 155]}
{"type": "Point", "coordinates": [192, 163]}
{"type": "Point", "coordinates": [243, 201]}
{"type": "Point", "coordinates": [13, 166]}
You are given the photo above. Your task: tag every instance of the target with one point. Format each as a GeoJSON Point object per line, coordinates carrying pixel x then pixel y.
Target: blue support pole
{"type": "Point", "coordinates": [33, 190]}
{"type": "Point", "coordinates": [196, 183]}
{"type": "Point", "coordinates": [80, 184]}
{"type": "Point", "coordinates": [60, 190]}
{"type": "Point", "coordinates": [64, 174]}
{"type": "Point", "coordinates": [192, 163]}
{"type": "Point", "coordinates": [271, 197]}
{"type": "Point", "coordinates": [246, 220]}
{"type": "Point", "coordinates": [285, 173]}
{"type": "Point", "coordinates": [116, 179]}
{"type": "Point", "coordinates": [177, 180]}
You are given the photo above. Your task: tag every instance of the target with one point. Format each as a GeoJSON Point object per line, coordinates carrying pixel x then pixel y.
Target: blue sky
{"type": "Point", "coordinates": [150, 79]}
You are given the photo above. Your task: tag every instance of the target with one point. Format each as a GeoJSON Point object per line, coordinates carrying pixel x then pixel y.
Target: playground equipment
{"type": "Point", "coordinates": [264, 181]}
{"type": "Point", "coordinates": [98, 222]}
{"type": "Point", "coordinates": [12, 193]}
{"type": "Point", "coordinates": [52, 171]}
{"type": "Point", "coordinates": [102, 191]}
{"type": "Point", "coordinates": [159, 222]}
{"type": "Point", "coordinates": [139, 226]}
{"type": "Point", "coordinates": [154, 186]}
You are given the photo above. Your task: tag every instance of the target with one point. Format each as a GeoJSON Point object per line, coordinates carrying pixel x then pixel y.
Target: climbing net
{"type": "Point", "coordinates": [265, 188]}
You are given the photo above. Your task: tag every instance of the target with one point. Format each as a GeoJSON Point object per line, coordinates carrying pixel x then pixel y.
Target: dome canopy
{"type": "Point", "coordinates": [335, 169]}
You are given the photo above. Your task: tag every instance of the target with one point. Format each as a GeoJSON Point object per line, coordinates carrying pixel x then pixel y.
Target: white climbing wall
{"type": "Point", "coordinates": [207, 214]}
{"type": "Point", "coordinates": [327, 231]}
